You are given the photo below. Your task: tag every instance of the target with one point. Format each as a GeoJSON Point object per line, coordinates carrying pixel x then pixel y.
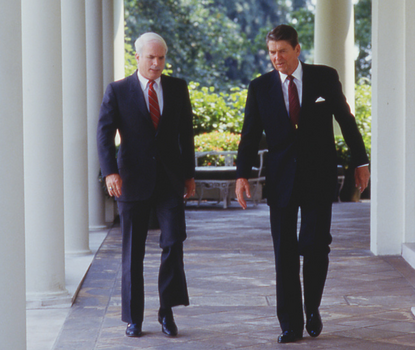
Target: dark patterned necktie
{"type": "Point", "coordinates": [154, 104]}
{"type": "Point", "coordinates": [294, 102]}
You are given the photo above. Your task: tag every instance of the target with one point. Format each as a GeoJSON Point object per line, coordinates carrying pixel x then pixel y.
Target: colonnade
{"type": "Point", "coordinates": [43, 148]}
{"type": "Point", "coordinates": [12, 228]}
{"type": "Point", "coordinates": [393, 111]}
{"type": "Point", "coordinates": [334, 41]}
{"type": "Point", "coordinates": [393, 129]}
{"type": "Point", "coordinates": [54, 57]}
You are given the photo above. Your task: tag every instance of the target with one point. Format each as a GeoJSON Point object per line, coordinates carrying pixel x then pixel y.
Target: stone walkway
{"type": "Point", "coordinates": [231, 278]}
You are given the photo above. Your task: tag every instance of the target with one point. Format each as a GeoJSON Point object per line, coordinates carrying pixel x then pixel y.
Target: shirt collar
{"type": "Point", "coordinates": [298, 73]}
{"type": "Point", "coordinates": [144, 81]}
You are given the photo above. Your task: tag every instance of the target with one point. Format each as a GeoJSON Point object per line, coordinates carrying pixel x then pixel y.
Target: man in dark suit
{"type": "Point", "coordinates": [294, 104]}
{"type": "Point", "coordinates": [155, 163]}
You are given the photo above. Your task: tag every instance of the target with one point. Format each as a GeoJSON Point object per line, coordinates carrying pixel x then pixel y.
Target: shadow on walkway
{"type": "Point", "coordinates": [231, 278]}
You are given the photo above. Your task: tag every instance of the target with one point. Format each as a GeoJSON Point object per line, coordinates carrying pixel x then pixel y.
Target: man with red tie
{"type": "Point", "coordinates": [294, 104]}
{"type": "Point", "coordinates": [154, 165]}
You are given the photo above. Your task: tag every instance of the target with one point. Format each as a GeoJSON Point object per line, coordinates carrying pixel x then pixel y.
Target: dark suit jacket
{"type": "Point", "coordinates": [142, 148]}
{"type": "Point", "coordinates": [307, 154]}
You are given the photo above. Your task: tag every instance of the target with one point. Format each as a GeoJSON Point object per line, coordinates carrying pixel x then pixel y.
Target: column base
{"type": "Point", "coordinates": [408, 253]}
{"type": "Point", "coordinates": [44, 300]}
{"type": "Point", "coordinates": [97, 227]}
{"type": "Point", "coordinates": [75, 253]}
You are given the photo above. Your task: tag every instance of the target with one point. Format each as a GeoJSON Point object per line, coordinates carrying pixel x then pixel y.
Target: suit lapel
{"type": "Point", "coordinates": [309, 89]}
{"type": "Point", "coordinates": [138, 100]}
{"type": "Point", "coordinates": [167, 98]}
{"type": "Point", "coordinates": [276, 95]}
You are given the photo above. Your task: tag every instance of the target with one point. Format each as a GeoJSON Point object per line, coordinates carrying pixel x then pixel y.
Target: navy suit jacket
{"type": "Point", "coordinates": [143, 149]}
{"type": "Point", "coordinates": [308, 154]}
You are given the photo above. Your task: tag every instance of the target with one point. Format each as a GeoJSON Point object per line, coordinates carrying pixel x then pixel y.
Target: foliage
{"type": "Point", "coordinates": [363, 38]}
{"type": "Point", "coordinates": [302, 19]}
{"type": "Point", "coordinates": [218, 111]}
{"type": "Point", "coordinates": [200, 37]}
{"type": "Point", "coordinates": [363, 119]}
{"type": "Point", "coordinates": [215, 141]}
{"type": "Point", "coordinates": [130, 62]}
{"type": "Point", "coordinates": [254, 19]}
{"type": "Point", "coordinates": [364, 111]}
{"type": "Point", "coordinates": [221, 43]}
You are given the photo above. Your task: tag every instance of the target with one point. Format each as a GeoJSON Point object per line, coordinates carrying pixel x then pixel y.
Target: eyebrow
{"type": "Point", "coordinates": [281, 50]}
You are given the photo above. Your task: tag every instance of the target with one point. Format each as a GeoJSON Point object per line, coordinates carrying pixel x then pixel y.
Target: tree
{"type": "Point", "coordinates": [254, 18]}
{"type": "Point", "coordinates": [214, 42]}
{"type": "Point", "coordinates": [221, 43]}
{"type": "Point", "coordinates": [363, 38]}
{"type": "Point", "coordinates": [302, 19]}
{"type": "Point", "coordinates": [200, 37]}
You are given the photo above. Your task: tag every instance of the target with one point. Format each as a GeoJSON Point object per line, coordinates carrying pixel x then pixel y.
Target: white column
{"type": "Point", "coordinates": [390, 186]}
{"type": "Point", "coordinates": [409, 192]}
{"type": "Point", "coordinates": [108, 21]}
{"type": "Point", "coordinates": [12, 247]}
{"type": "Point", "coordinates": [94, 54]}
{"type": "Point", "coordinates": [334, 41]}
{"type": "Point", "coordinates": [75, 142]}
{"type": "Point", "coordinates": [119, 64]}
{"type": "Point", "coordinates": [43, 147]}
{"type": "Point", "coordinates": [108, 41]}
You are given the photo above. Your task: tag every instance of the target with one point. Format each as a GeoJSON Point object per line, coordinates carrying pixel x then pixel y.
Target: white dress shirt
{"type": "Point", "coordinates": [144, 83]}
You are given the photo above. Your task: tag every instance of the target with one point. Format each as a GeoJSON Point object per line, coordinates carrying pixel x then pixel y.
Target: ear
{"type": "Point", "coordinates": [137, 57]}
{"type": "Point", "coordinates": [297, 50]}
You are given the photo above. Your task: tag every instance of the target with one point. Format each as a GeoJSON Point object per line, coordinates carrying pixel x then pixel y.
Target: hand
{"type": "Point", "coordinates": [361, 176]}
{"type": "Point", "coordinates": [114, 184]}
{"type": "Point", "coordinates": [190, 185]}
{"type": "Point", "coordinates": [242, 185]}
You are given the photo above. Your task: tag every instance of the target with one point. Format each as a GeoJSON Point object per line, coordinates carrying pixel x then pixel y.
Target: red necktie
{"type": "Point", "coordinates": [154, 104]}
{"type": "Point", "coordinates": [294, 102]}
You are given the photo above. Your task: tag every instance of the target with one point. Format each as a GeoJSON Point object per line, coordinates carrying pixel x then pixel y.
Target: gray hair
{"type": "Point", "coordinates": [147, 37]}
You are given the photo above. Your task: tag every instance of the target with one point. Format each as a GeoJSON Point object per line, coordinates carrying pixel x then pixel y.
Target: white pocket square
{"type": "Point", "coordinates": [320, 99]}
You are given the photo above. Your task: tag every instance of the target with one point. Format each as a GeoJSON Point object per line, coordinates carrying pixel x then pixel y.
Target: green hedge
{"type": "Point", "coordinates": [363, 114]}
{"type": "Point", "coordinates": [217, 111]}
{"type": "Point", "coordinates": [215, 141]}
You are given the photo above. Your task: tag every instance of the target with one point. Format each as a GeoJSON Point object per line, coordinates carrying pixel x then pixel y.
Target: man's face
{"type": "Point", "coordinates": [283, 56]}
{"type": "Point", "coordinates": [151, 61]}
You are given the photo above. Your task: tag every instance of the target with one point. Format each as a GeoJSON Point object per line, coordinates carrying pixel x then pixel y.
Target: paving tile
{"type": "Point", "coordinates": [229, 264]}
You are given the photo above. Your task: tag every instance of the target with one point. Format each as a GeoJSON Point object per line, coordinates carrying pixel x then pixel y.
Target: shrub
{"type": "Point", "coordinates": [218, 111]}
{"type": "Point", "coordinates": [363, 115]}
{"type": "Point", "coordinates": [216, 141]}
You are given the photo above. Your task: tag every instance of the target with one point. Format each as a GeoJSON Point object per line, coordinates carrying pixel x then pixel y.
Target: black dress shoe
{"type": "Point", "coordinates": [289, 337]}
{"type": "Point", "coordinates": [168, 326]}
{"type": "Point", "coordinates": [133, 330]}
{"type": "Point", "coordinates": [314, 324]}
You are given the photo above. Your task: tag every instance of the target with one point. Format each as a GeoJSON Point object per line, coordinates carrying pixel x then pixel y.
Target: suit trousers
{"type": "Point", "coordinates": [312, 243]}
{"type": "Point", "coordinates": [134, 217]}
